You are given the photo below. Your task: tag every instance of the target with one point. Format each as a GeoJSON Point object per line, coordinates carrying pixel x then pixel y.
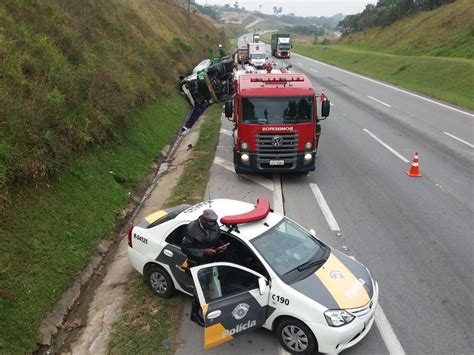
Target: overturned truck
{"type": "Point", "coordinates": [210, 82]}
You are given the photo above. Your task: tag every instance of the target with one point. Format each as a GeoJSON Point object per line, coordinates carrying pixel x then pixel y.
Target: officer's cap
{"type": "Point", "coordinates": [209, 215]}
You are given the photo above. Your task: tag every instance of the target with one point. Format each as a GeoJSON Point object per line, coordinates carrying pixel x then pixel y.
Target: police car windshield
{"type": "Point", "coordinates": [277, 110]}
{"type": "Point", "coordinates": [287, 246]}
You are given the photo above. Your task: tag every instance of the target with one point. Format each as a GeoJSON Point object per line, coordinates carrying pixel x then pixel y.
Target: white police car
{"type": "Point", "coordinates": [275, 275]}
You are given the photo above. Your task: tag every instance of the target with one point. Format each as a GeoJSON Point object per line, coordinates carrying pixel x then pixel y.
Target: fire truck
{"type": "Point", "coordinates": [276, 126]}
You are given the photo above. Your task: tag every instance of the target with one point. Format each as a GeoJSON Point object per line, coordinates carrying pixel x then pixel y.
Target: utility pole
{"type": "Point", "coordinates": [189, 6]}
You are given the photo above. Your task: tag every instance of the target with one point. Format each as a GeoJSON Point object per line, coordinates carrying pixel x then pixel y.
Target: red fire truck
{"type": "Point", "coordinates": [276, 125]}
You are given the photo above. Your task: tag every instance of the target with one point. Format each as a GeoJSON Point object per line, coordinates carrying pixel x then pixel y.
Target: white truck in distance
{"type": "Point", "coordinates": [256, 52]}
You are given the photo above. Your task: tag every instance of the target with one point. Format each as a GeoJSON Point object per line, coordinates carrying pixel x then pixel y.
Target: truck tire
{"type": "Point", "coordinates": [238, 169]}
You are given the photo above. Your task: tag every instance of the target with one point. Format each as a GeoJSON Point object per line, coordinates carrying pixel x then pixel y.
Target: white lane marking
{"type": "Point", "coordinates": [386, 331]}
{"type": "Point", "coordinates": [391, 87]}
{"type": "Point", "coordinates": [277, 194]}
{"type": "Point", "coordinates": [388, 335]}
{"type": "Point", "coordinates": [459, 139]}
{"type": "Point", "coordinates": [255, 178]}
{"type": "Point", "coordinates": [324, 207]}
{"type": "Point", "coordinates": [397, 154]}
{"type": "Point", "coordinates": [226, 132]}
{"type": "Point", "coordinates": [380, 102]}
{"type": "Point", "coordinates": [313, 70]}
{"type": "Point", "coordinates": [330, 103]}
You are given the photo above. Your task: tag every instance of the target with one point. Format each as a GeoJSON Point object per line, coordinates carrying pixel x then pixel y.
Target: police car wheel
{"type": "Point", "coordinates": [160, 282]}
{"type": "Point", "coordinates": [296, 337]}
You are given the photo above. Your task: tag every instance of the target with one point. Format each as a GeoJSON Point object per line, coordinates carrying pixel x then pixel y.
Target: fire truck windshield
{"type": "Point", "coordinates": [277, 110]}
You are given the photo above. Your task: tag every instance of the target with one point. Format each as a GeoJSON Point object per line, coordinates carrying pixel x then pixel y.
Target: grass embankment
{"type": "Point", "coordinates": [447, 31]}
{"type": "Point", "coordinates": [72, 71]}
{"type": "Point", "coordinates": [73, 75]}
{"type": "Point", "coordinates": [50, 233]}
{"type": "Point", "coordinates": [150, 324]}
{"type": "Point", "coordinates": [448, 79]}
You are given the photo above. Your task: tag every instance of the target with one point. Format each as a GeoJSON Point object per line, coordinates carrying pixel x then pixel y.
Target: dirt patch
{"type": "Point", "coordinates": [92, 309]}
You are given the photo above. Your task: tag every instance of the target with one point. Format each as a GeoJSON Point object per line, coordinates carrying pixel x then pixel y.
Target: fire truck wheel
{"type": "Point", "coordinates": [160, 282]}
{"type": "Point", "coordinates": [238, 170]}
{"type": "Point", "coordinates": [295, 337]}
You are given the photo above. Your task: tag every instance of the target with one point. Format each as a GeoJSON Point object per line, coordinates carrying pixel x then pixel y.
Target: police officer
{"type": "Point", "coordinates": [202, 244]}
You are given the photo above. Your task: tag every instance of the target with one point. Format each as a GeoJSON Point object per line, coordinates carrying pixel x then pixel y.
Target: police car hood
{"type": "Point", "coordinates": [340, 283]}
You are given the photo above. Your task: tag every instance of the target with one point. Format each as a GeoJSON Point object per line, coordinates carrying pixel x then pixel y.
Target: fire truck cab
{"type": "Point", "coordinates": [276, 126]}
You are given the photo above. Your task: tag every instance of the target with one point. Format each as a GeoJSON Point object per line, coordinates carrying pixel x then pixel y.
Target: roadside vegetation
{"type": "Point", "coordinates": [431, 53]}
{"type": "Point", "coordinates": [150, 324]}
{"type": "Point", "coordinates": [386, 12]}
{"type": "Point", "coordinates": [88, 99]}
{"type": "Point", "coordinates": [72, 71]}
{"type": "Point", "coordinates": [445, 32]}
{"type": "Point", "coordinates": [50, 234]}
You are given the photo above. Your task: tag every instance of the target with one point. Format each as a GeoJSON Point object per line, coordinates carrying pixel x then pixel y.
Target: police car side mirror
{"type": "Point", "coordinates": [312, 232]}
{"type": "Point", "coordinates": [262, 285]}
{"type": "Point", "coordinates": [228, 109]}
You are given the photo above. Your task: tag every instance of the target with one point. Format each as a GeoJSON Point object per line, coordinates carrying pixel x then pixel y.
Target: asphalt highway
{"type": "Point", "coordinates": [415, 234]}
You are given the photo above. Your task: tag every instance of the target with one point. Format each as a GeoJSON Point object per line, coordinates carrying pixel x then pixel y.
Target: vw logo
{"type": "Point", "coordinates": [277, 141]}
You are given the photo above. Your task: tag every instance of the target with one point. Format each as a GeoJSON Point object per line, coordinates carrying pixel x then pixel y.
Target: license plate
{"type": "Point", "coordinates": [277, 162]}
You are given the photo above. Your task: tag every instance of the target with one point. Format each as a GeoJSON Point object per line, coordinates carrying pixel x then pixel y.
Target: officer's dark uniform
{"type": "Point", "coordinates": [196, 239]}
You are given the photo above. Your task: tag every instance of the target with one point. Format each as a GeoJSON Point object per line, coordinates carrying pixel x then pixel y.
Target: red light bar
{"type": "Point", "coordinates": [258, 213]}
{"type": "Point", "coordinates": [269, 80]}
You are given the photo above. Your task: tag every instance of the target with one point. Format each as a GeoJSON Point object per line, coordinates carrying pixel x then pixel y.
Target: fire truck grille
{"type": "Point", "coordinates": [277, 151]}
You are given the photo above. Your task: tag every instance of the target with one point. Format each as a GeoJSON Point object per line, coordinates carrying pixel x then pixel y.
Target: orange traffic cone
{"type": "Point", "coordinates": [414, 169]}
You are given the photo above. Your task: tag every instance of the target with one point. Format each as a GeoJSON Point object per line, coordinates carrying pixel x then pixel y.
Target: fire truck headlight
{"type": "Point", "coordinates": [308, 145]}
{"type": "Point", "coordinates": [245, 158]}
{"type": "Point", "coordinates": [308, 157]}
{"type": "Point", "coordinates": [244, 145]}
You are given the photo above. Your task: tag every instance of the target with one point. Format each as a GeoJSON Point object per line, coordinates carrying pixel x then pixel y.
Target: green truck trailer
{"type": "Point", "coordinates": [281, 45]}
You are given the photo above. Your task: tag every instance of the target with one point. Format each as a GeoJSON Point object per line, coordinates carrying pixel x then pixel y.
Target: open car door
{"type": "Point", "coordinates": [233, 299]}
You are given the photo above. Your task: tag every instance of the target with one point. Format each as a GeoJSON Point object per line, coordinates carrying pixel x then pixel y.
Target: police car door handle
{"type": "Point", "coordinates": [168, 252]}
{"type": "Point", "coordinates": [214, 314]}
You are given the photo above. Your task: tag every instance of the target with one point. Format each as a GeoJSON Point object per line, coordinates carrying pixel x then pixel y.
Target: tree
{"type": "Point", "coordinates": [236, 5]}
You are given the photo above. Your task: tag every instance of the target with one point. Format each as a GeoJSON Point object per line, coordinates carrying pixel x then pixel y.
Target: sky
{"type": "Point", "coordinates": [299, 7]}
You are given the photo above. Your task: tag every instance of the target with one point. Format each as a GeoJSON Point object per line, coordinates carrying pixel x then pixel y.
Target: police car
{"type": "Point", "coordinates": [275, 274]}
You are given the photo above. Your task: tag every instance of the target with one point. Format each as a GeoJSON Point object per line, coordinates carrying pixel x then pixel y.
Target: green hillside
{"type": "Point", "coordinates": [447, 31]}
{"type": "Point", "coordinates": [88, 100]}
{"type": "Point", "coordinates": [431, 53]}
{"type": "Point", "coordinates": [71, 71]}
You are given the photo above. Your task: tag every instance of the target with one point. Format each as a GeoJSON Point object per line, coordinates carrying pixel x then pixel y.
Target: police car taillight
{"type": "Point", "coordinates": [129, 236]}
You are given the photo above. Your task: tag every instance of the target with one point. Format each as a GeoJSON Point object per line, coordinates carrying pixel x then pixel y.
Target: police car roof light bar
{"type": "Point", "coordinates": [258, 213]}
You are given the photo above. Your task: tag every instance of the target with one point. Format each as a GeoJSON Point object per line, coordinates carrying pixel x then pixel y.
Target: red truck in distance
{"type": "Point", "coordinates": [276, 126]}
